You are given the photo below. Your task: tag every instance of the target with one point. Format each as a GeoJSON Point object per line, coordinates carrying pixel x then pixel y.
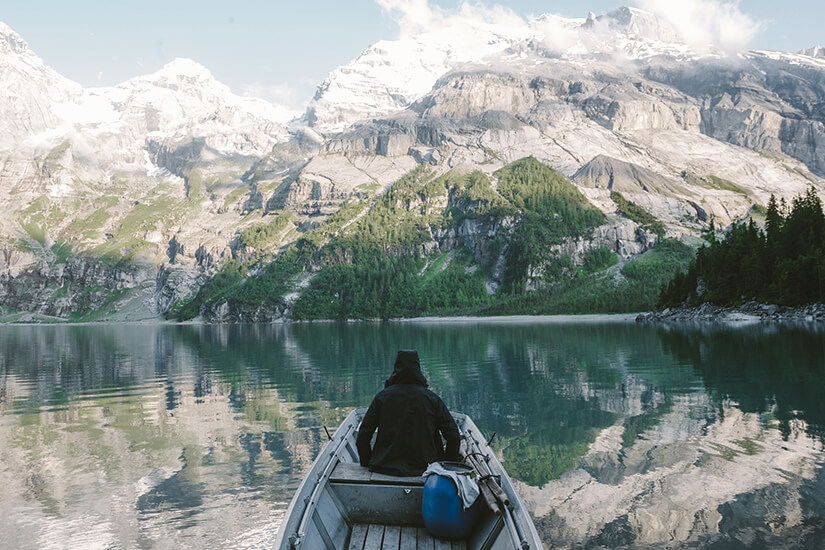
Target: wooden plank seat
{"type": "Point", "coordinates": [349, 472]}
{"type": "Point", "coordinates": [394, 537]}
{"type": "Point", "coordinates": [373, 498]}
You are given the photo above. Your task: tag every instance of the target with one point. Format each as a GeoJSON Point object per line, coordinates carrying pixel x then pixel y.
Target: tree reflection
{"type": "Point", "coordinates": [778, 370]}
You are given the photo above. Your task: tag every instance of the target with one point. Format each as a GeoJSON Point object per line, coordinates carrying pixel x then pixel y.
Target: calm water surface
{"type": "Point", "coordinates": [618, 435]}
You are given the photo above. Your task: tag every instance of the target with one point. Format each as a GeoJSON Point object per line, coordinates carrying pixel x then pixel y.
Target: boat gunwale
{"type": "Point", "coordinates": [313, 478]}
{"type": "Point", "coordinates": [517, 506]}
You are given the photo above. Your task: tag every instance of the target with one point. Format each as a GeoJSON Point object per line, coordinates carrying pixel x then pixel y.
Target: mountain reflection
{"type": "Point", "coordinates": [200, 434]}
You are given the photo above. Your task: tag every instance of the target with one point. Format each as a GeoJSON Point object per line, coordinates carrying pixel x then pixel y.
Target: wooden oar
{"type": "Point", "coordinates": [487, 479]}
{"type": "Point", "coordinates": [484, 485]}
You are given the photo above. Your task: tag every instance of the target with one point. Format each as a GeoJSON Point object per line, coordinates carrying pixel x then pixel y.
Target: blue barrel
{"type": "Point", "coordinates": [444, 516]}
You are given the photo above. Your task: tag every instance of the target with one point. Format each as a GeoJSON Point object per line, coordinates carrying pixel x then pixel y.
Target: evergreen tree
{"type": "Point", "coordinates": [784, 264]}
{"type": "Point", "coordinates": [773, 220]}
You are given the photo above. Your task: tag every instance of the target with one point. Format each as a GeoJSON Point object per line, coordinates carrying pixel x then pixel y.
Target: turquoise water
{"type": "Point", "coordinates": [137, 436]}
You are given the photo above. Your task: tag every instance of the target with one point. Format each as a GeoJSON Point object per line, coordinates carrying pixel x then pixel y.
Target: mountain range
{"type": "Point", "coordinates": [121, 202]}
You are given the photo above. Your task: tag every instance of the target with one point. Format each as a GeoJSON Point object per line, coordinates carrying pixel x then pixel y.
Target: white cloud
{"type": "Point", "coordinates": [412, 16]}
{"type": "Point", "coordinates": [705, 22]}
{"type": "Point", "coordinates": [700, 23]}
{"type": "Point", "coordinates": [418, 16]}
{"type": "Point", "coordinates": [289, 100]}
{"type": "Point", "coordinates": [558, 34]}
{"type": "Point", "coordinates": [495, 14]}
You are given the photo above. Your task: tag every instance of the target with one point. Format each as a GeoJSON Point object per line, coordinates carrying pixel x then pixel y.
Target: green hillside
{"type": "Point", "coordinates": [458, 243]}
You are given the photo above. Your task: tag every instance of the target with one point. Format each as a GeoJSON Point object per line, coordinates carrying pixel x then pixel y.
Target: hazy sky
{"type": "Point", "coordinates": [281, 50]}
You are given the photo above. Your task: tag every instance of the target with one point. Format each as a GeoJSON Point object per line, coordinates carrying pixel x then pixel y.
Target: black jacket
{"type": "Point", "coordinates": [410, 419]}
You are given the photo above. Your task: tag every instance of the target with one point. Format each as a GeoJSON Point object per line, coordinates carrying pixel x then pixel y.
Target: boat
{"type": "Point", "coordinates": [341, 505]}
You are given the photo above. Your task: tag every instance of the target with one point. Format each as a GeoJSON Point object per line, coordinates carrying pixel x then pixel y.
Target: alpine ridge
{"type": "Point", "coordinates": [168, 193]}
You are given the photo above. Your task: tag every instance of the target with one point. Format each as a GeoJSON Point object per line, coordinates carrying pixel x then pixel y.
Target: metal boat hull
{"type": "Point", "coordinates": [341, 505]}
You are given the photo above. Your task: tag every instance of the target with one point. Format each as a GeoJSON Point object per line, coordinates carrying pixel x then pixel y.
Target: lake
{"type": "Point", "coordinates": [618, 434]}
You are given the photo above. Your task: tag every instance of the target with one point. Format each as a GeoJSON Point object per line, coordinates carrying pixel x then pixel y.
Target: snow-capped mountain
{"type": "Point", "coordinates": [816, 51]}
{"type": "Point", "coordinates": [391, 75]}
{"type": "Point", "coordinates": [32, 93]}
{"type": "Point", "coordinates": [183, 101]}
{"type": "Point", "coordinates": [172, 167]}
{"type": "Point", "coordinates": [122, 170]}
{"type": "Point", "coordinates": [40, 109]}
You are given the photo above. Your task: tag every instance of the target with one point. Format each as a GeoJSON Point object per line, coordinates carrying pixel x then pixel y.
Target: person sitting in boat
{"type": "Point", "coordinates": [410, 419]}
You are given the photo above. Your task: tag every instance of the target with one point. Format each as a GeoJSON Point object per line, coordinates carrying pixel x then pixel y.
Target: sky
{"type": "Point", "coordinates": [281, 50]}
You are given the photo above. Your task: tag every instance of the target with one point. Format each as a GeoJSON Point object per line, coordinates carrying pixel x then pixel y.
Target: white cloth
{"type": "Point", "coordinates": [464, 481]}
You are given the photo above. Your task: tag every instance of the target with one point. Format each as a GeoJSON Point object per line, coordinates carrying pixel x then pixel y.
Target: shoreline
{"type": "Point", "coordinates": [747, 313]}
{"type": "Point", "coordinates": [517, 319]}
{"type": "Point", "coordinates": [503, 319]}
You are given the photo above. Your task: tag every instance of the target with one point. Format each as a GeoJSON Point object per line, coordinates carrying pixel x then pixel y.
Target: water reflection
{"type": "Point", "coordinates": [777, 369]}
{"type": "Point", "coordinates": [197, 436]}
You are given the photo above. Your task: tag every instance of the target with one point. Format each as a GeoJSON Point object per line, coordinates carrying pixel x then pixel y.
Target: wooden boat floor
{"type": "Point", "coordinates": [393, 537]}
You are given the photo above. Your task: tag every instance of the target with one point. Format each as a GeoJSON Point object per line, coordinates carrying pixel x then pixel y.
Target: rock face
{"type": "Point", "coordinates": [769, 104]}
{"type": "Point", "coordinates": [231, 313]}
{"type": "Point", "coordinates": [478, 235]}
{"type": "Point", "coordinates": [77, 286]}
{"type": "Point", "coordinates": [606, 173]}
